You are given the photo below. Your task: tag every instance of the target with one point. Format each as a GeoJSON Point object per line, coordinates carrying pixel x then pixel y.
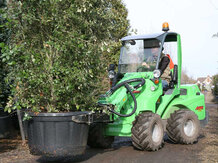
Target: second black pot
{"type": "Point", "coordinates": [5, 124]}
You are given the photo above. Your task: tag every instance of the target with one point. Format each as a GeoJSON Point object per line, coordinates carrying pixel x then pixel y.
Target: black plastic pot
{"type": "Point", "coordinates": [55, 134]}
{"type": "Point", "coordinates": [5, 124]}
{"type": "Point", "coordinates": [2, 113]}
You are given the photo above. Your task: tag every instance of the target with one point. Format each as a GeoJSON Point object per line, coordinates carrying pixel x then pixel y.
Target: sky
{"type": "Point", "coordinates": [195, 20]}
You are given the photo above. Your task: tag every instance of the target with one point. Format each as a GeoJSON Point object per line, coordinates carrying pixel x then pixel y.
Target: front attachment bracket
{"type": "Point", "coordinates": [91, 118]}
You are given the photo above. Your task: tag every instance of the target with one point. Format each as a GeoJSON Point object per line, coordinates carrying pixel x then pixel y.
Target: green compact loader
{"type": "Point", "coordinates": [139, 106]}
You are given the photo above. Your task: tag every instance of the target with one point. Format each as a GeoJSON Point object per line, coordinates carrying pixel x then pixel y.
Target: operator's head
{"type": "Point", "coordinates": [155, 47]}
{"type": "Point", "coordinates": [155, 51]}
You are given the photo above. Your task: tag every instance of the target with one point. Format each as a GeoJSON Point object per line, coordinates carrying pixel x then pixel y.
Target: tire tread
{"type": "Point", "coordinates": [175, 126]}
{"type": "Point", "coordinates": [141, 132]}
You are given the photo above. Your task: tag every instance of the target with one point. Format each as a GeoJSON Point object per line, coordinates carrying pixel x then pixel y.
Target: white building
{"type": "Point", "coordinates": [205, 83]}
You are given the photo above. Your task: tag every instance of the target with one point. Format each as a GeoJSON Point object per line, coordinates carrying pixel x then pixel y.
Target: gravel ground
{"type": "Point", "coordinates": [206, 150]}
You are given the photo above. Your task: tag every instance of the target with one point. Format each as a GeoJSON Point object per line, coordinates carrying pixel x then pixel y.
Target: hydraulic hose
{"type": "Point", "coordinates": [125, 83]}
{"type": "Point", "coordinates": [113, 89]}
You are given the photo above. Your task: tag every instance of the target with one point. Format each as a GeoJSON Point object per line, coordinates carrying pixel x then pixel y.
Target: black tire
{"type": "Point", "coordinates": [145, 127]}
{"type": "Point", "coordinates": [96, 139]}
{"type": "Point", "coordinates": [183, 127]}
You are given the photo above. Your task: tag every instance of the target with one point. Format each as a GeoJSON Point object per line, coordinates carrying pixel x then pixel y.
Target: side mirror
{"type": "Point", "coordinates": [111, 72]}
{"type": "Point", "coordinates": [111, 67]}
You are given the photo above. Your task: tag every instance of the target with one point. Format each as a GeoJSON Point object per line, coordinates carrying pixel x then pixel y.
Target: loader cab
{"type": "Point", "coordinates": [139, 55]}
{"type": "Point", "coordinates": [143, 54]}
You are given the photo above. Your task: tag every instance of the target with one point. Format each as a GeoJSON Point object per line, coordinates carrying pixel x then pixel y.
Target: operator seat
{"type": "Point", "coordinates": [173, 74]}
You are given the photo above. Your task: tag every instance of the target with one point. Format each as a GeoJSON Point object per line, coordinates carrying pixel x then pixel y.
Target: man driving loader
{"type": "Point", "coordinates": [164, 67]}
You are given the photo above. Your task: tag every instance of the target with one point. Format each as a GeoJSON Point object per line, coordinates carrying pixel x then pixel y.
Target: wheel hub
{"type": "Point", "coordinates": [189, 128]}
{"type": "Point", "coordinates": [156, 133]}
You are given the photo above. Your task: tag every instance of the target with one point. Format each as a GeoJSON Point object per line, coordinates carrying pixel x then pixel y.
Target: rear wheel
{"type": "Point", "coordinates": [96, 138]}
{"type": "Point", "coordinates": [147, 132]}
{"type": "Point", "coordinates": [183, 127]}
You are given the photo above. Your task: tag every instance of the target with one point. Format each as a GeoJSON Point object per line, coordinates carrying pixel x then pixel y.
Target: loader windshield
{"type": "Point", "coordinates": [139, 55]}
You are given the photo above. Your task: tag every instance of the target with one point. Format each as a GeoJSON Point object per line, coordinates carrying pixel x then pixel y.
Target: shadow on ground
{"type": "Point", "coordinates": [6, 145]}
{"type": "Point", "coordinates": [10, 143]}
{"type": "Point", "coordinates": [90, 152]}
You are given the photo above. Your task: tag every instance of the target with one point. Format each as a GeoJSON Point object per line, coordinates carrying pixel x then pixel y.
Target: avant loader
{"type": "Point", "coordinates": [140, 106]}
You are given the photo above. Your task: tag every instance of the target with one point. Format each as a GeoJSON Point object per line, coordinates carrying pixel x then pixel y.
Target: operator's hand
{"type": "Point", "coordinates": [145, 64]}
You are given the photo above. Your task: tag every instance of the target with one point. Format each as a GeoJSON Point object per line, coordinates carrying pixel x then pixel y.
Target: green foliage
{"type": "Point", "coordinates": [59, 51]}
{"type": "Point", "coordinates": [4, 88]}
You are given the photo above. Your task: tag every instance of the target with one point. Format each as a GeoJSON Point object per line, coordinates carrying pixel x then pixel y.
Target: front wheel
{"type": "Point", "coordinates": [147, 132]}
{"type": "Point", "coordinates": [183, 127]}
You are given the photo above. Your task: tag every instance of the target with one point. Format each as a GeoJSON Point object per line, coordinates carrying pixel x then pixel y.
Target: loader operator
{"type": "Point", "coordinates": [164, 67]}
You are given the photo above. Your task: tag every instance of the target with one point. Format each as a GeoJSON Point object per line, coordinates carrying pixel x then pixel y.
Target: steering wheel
{"type": "Point", "coordinates": [142, 69]}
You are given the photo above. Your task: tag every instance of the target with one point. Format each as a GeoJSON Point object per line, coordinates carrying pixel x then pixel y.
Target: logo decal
{"type": "Point", "coordinates": [199, 108]}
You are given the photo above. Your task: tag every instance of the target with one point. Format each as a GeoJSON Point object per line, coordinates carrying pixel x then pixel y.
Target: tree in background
{"type": "Point", "coordinates": [185, 79]}
{"type": "Point", "coordinates": [59, 50]}
{"type": "Point", "coordinates": [215, 83]}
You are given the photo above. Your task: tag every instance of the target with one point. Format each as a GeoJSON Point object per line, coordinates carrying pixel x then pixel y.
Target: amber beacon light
{"type": "Point", "coordinates": [165, 27]}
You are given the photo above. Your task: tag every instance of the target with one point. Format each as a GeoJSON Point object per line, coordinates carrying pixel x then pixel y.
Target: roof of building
{"type": "Point", "coordinates": [201, 79]}
{"type": "Point", "coordinates": [204, 79]}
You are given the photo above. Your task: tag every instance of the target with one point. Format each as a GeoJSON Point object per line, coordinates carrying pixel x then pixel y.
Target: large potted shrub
{"type": "Point", "coordinates": [57, 51]}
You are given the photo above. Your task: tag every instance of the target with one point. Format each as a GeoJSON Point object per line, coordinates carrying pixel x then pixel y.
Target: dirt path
{"type": "Point", "coordinates": [206, 150]}
{"type": "Point", "coordinates": [209, 152]}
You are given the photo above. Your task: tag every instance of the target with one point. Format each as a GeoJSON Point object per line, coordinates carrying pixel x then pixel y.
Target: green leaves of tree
{"type": "Point", "coordinates": [59, 51]}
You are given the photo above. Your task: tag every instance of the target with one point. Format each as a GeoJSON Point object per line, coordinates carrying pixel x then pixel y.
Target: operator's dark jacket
{"type": "Point", "coordinates": [164, 66]}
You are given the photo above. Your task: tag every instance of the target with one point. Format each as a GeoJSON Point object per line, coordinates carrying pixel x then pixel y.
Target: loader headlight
{"type": "Point", "coordinates": [111, 74]}
{"type": "Point", "coordinates": [156, 73]}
